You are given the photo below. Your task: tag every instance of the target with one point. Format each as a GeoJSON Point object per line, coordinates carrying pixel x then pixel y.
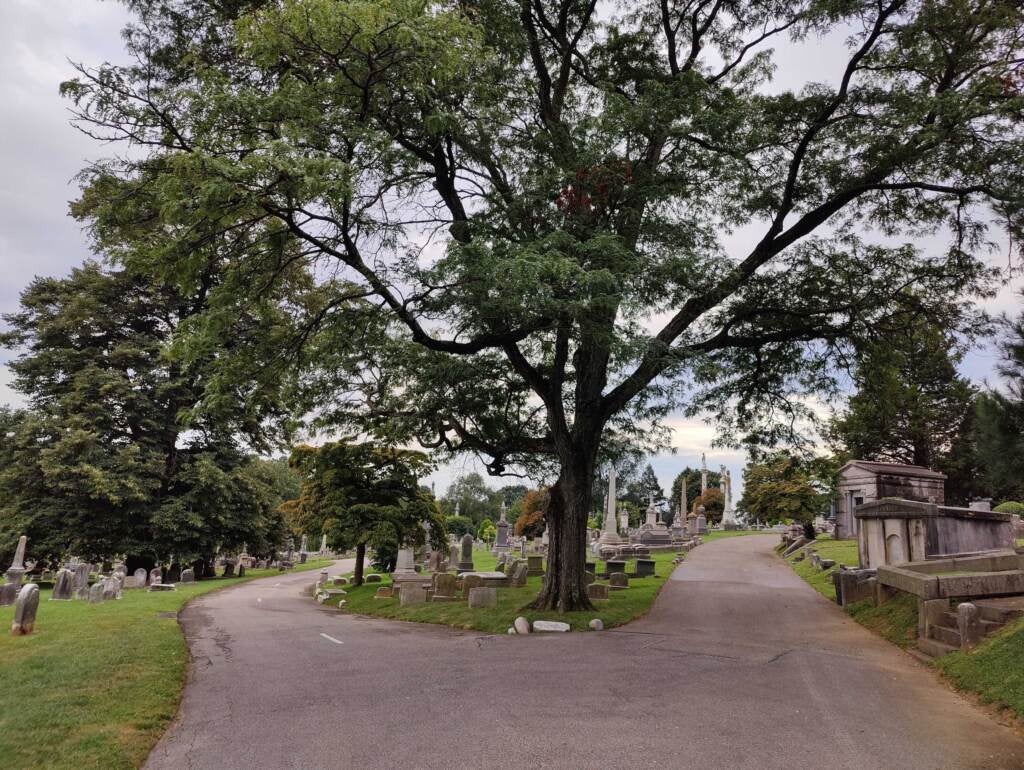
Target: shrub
{"type": "Point", "coordinates": [459, 525]}
{"type": "Point", "coordinates": [1010, 506]}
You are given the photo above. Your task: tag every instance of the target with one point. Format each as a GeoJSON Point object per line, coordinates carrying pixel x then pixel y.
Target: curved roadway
{"type": "Point", "coordinates": [738, 665]}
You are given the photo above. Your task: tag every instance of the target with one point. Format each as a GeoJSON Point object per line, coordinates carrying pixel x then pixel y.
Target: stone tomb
{"type": "Point", "coordinates": [25, 608]}
{"type": "Point", "coordinates": [894, 531]}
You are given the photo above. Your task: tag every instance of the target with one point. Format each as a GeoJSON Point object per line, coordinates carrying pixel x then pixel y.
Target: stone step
{"type": "Point", "coordinates": [945, 635]}
{"type": "Point", "coordinates": [934, 648]}
{"type": "Point", "coordinates": [1000, 610]}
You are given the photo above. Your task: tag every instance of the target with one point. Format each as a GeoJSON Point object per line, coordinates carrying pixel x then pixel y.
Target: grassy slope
{"type": "Point", "coordinates": [621, 607]}
{"type": "Point", "coordinates": [993, 671]}
{"type": "Point", "coordinates": [95, 685]}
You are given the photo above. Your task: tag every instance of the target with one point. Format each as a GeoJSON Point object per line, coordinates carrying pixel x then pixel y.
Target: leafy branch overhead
{"type": "Point", "coordinates": [509, 228]}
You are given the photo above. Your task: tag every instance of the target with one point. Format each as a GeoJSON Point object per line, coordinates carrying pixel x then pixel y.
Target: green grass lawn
{"type": "Point", "coordinates": [620, 608]}
{"type": "Point", "coordinates": [992, 670]}
{"type": "Point", "coordinates": [840, 551]}
{"type": "Point", "coordinates": [96, 685]}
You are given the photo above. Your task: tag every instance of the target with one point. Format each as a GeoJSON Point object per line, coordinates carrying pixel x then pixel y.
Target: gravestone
{"type": "Point", "coordinates": [25, 608]}
{"type": "Point", "coordinates": [241, 570]}
{"type": "Point", "coordinates": [96, 592]}
{"type": "Point", "coordinates": [412, 593]}
{"type": "Point", "coordinates": [373, 577]}
{"type": "Point", "coordinates": [156, 576]}
{"type": "Point", "coordinates": [9, 590]}
{"type": "Point", "coordinates": [501, 532]}
{"type": "Point", "coordinates": [466, 554]}
{"type": "Point", "coordinates": [483, 597]}
{"type": "Point", "coordinates": [111, 587]}
{"type": "Point", "coordinates": [188, 575]}
{"type": "Point", "coordinates": [470, 582]}
{"type": "Point", "coordinates": [140, 577]}
{"type": "Point", "coordinates": [443, 587]}
{"type": "Point", "coordinates": [453, 555]}
{"type": "Point", "coordinates": [614, 565]}
{"type": "Point", "coordinates": [702, 524]}
{"type": "Point", "coordinates": [384, 592]}
{"type": "Point", "coordinates": [229, 568]}
{"type": "Point", "coordinates": [644, 567]}
{"type": "Point", "coordinates": [62, 586]}
{"type": "Point", "coordinates": [302, 557]}
{"type": "Point", "coordinates": [535, 565]}
{"type": "Point", "coordinates": [80, 584]}
{"type": "Point", "coordinates": [305, 545]}
{"type": "Point", "coordinates": [518, 574]}
{"type": "Point", "coordinates": [597, 591]}
{"type": "Point", "coordinates": [618, 581]}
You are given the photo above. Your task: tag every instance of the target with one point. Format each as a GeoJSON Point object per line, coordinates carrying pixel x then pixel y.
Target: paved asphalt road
{"type": "Point", "coordinates": [738, 665]}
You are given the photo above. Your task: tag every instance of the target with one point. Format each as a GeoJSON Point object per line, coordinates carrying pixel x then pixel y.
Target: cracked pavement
{"type": "Point", "coordinates": [739, 664]}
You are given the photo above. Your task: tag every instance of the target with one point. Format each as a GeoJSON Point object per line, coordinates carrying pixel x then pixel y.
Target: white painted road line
{"type": "Point", "coordinates": [332, 639]}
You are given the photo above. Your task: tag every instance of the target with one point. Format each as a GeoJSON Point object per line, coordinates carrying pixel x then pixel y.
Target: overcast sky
{"type": "Point", "coordinates": [40, 153]}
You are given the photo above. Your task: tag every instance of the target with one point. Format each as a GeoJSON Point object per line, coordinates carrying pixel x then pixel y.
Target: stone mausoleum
{"type": "Point", "coordinates": [861, 481]}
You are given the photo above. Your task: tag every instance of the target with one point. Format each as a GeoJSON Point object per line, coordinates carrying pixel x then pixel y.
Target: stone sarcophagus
{"type": "Point", "coordinates": [895, 531]}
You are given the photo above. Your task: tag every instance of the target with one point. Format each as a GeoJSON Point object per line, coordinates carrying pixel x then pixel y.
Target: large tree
{"type": "Point", "coordinates": [782, 485]}
{"type": "Point", "coordinates": [107, 459]}
{"type": "Point", "coordinates": [999, 427]}
{"type": "Point", "coordinates": [534, 198]}
{"type": "Point", "coordinates": [364, 495]}
{"type": "Point", "coordinates": [911, 405]}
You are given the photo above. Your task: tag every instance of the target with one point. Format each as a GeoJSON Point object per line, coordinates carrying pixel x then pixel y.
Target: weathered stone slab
{"type": "Point", "coordinates": [96, 593]}
{"type": "Point", "coordinates": [384, 592]}
{"type": "Point", "coordinates": [156, 575]}
{"type": "Point", "coordinates": [521, 625]}
{"type": "Point", "coordinates": [373, 577]}
{"type": "Point", "coordinates": [188, 576]}
{"type": "Point", "coordinates": [162, 587]}
{"type": "Point", "coordinates": [25, 608]}
{"type": "Point", "coordinates": [550, 626]}
{"type": "Point", "coordinates": [618, 580]}
{"type": "Point", "coordinates": [140, 577]}
{"type": "Point", "coordinates": [483, 597]}
{"type": "Point", "coordinates": [412, 593]}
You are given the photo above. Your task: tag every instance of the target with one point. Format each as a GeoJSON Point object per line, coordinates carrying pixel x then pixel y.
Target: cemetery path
{"type": "Point", "coordinates": [739, 664]}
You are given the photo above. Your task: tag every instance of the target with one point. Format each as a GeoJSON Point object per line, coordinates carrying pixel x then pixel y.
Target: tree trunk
{"type": "Point", "coordinates": [357, 576]}
{"type": "Point", "coordinates": [564, 588]}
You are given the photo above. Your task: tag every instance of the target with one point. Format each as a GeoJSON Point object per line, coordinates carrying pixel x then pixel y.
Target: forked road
{"type": "Point", "coordinates": [738, 665]}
